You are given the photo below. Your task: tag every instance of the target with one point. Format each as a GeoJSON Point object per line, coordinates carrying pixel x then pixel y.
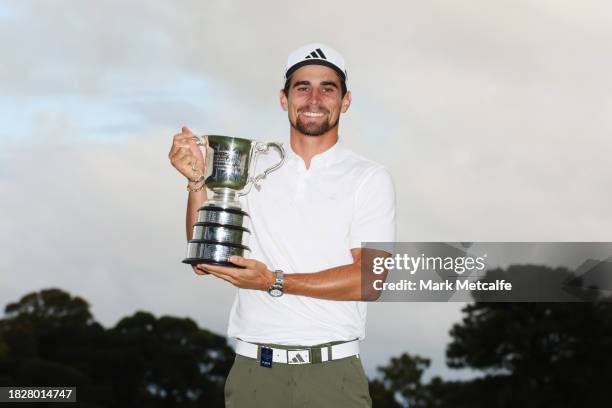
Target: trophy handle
{"type": "Point", "coordinates": [263, 148]}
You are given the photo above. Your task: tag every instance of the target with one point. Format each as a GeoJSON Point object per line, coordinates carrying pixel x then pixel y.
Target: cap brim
{"type": "Point", "coordinates": [314, 61]}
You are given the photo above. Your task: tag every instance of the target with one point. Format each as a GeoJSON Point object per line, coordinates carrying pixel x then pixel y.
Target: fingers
{"type": "Point", "coordinates": [240, 261]}
{"type": "Point", "coordinates": [182, 161]}
{"type": "Point", "coordinates": [182, 140]}
{"type": "Point", "coordinates": [199, 153]}
{"type": "Point", "coordinates": [185, 138]}
{"type": "Point", "coordinates": [226, 278]}
{"type": "Point", "coordinates": [198, 270]}
{"type": "Point", "coordinates": [179, 141]}
{"type": "Point", "coordinates": [218, 271]}
{"type": "Point", "coordinates": [186, 141]}
{"type": "Point", "coordinates": [221, 270]}
{"type": "Point", "coordinates": [201, 270]}
{"type": "Point", "coordinates": [193, 139]}
{"type": "Point", "coordinates": [181, 154]}
{"type": "Point", "coordinates": [186, 153]}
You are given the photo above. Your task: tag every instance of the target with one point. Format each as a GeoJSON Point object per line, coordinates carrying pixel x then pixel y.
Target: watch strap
{"type": "Point", "coordinates": [277, 286]}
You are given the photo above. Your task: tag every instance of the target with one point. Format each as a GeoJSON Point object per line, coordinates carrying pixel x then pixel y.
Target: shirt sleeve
{"type": "Point", "coordinates": [374, 215]}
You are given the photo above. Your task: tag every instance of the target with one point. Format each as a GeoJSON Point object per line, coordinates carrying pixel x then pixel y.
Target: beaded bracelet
{"type": "Point", "coordinates": [198, 179]}
{"type": "Point", "coordinates": [195, 190]}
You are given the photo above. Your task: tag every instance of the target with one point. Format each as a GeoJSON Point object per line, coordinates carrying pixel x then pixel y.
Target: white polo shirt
{"type": "Point", "coordinates": [307, 220]}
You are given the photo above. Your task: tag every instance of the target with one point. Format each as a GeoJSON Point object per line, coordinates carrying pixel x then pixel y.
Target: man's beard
{"type": "Point", "coordinates": [313, 129]}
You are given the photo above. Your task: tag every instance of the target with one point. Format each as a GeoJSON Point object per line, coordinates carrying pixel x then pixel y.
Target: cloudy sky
{"type": "Point", "coordinates": [492, 116]}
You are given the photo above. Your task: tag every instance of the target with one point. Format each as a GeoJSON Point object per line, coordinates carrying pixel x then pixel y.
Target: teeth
{"type": "Point", "coordinates": [312, 114]}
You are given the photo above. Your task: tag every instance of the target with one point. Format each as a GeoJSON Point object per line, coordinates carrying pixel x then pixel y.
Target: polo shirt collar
{"type": "Point", "coordinates": [324, 159]}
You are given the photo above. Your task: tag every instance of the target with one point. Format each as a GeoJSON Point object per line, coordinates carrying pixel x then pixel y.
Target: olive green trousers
{"type": "Point", "coordinates": [337, 383]}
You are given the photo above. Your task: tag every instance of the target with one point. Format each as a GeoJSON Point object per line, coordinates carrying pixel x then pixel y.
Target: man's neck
{"type": "Point", "coordinates": [309, 146]}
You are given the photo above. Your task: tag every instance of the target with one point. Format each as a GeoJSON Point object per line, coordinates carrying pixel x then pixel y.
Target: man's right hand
{"type": "Point", "coordinates": [186, 153]}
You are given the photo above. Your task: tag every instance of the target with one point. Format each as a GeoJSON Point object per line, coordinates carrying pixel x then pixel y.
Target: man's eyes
{"type": "Point", "coordinates": [325, 90]}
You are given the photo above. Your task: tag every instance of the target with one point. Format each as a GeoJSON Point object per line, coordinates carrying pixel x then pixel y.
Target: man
{"type": "Point", "coordinates": [299, 315]}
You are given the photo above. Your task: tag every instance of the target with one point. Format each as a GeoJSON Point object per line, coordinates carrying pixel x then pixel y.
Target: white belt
{"type": "Point", "coordinates": [301, 356]}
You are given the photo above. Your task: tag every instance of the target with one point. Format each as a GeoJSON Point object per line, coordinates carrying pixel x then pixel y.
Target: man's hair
{"type": "Point", "coordinates": [288, 84]}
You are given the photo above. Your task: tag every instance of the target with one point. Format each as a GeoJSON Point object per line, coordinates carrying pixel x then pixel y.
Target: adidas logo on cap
{"type": "Point", "coordinates": [316, 54]}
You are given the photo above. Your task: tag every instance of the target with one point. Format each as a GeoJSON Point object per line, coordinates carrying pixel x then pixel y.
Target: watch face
{"type": "Point", "coordinates": [275, 292]}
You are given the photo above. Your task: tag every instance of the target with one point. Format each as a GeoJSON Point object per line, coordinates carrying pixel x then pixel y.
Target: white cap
{"type": "Point", "coordinates": [316, 54]}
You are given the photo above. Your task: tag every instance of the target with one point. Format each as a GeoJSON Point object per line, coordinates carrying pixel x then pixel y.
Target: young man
{"type": "Point", "coordinates": [299, 313]}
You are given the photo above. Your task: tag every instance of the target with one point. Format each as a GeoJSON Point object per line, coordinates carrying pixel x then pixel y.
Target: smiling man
{"type": "Point", "coordinates": [299, 313]}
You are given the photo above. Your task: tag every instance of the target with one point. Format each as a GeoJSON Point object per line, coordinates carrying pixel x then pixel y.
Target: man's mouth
{"type": "Point", "coordinates": [312, 114]}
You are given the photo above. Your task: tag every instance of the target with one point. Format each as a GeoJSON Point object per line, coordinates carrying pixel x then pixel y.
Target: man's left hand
{"type": "Point", "coordinates": [254, 275]}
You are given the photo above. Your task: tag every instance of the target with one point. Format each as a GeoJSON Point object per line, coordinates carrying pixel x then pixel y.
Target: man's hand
{"type": "Point", "coordinates": [186, 153]}
{"type": "Point", "coordinates": [255, 274]}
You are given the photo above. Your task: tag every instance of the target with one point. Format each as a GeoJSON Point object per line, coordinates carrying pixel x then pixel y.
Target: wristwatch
{"type": "Point", "coordinates": [276, 290]}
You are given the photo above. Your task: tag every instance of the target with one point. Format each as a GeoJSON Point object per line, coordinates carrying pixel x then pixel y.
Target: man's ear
{"type": "Point", "coordinates": [346, 101]}
{"type": "Point", "coordinates": [283, 101]}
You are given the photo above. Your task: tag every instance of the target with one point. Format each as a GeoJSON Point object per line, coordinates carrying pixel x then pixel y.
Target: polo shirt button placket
{"type": "Point", "coordinates": [302, 177]}
{"type": "Point", "coordinates": [300, 188]}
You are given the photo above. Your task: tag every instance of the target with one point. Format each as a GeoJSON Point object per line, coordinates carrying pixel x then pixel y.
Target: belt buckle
{"type": "Point", "coordinates": [298, 356]}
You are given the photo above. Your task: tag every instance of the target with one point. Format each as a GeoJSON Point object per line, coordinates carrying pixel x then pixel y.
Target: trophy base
{"type": "Point", "coordinates": [195, 261]}
{"type": "Point", "coordinates": [220, 231]}
{"type": "Point", "coordinates": [213, 253]}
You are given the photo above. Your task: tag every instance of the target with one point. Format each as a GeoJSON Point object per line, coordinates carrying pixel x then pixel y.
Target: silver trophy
{"type": "Point", "coordinates": [221, 228]}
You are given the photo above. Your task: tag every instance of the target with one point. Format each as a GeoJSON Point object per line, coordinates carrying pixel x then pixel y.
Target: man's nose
{"type": "Point", "coordinates": [314, 97]}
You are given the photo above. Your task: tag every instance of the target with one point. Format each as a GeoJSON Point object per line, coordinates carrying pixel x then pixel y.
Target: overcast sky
{"type": "Point", "coordinates": [492, 116]}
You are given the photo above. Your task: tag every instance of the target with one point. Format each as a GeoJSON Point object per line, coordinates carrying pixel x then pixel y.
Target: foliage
{"type": "Point", "coordinates": [50, 338]}
{"type": "Point", "coordinates": [530, 355]}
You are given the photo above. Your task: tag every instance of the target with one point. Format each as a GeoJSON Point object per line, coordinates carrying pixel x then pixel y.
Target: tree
{"type": "Point", "coordinates": [402, 377]}
{"type": "Point", "coordinates": [50, 338]}
{"type": "Point", "coordinates": [382, 395]}
{"type": "Point", "coordinates": [537, 354]}
{"type": "Point", "coordinates": [171, 361]}
{"type": "Point", "coordinates": [530, 354]}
